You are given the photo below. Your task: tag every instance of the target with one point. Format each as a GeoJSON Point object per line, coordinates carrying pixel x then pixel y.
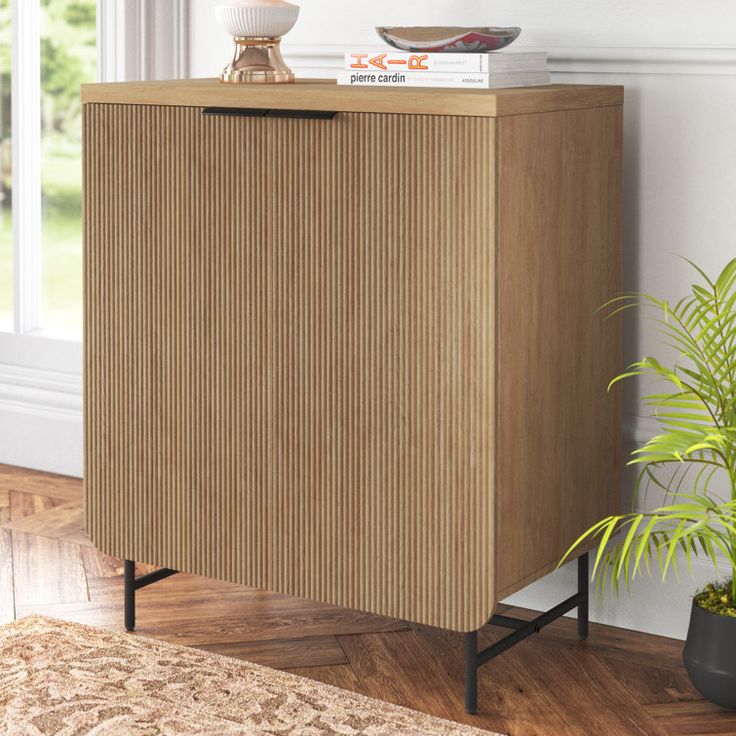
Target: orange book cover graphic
{"type": "Point", "coordinates": [415, 62]}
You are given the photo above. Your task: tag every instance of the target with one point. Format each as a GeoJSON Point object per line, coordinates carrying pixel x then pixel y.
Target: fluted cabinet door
{"type": "Point", "coordinates": [290, 353]}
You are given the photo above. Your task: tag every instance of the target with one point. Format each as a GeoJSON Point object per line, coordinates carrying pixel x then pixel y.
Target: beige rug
{"type": "Point", "coordinates": [67, 679]}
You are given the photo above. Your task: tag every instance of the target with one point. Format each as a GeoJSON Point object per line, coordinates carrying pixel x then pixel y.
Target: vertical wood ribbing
{"type": "Point", "coordinates": [289, 353]}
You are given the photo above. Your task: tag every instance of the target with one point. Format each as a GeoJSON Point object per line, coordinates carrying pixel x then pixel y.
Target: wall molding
{"type": "Point", "coordinates": [645, 60]}
{"type": "Point", "coordinates": [40, 392]}
{"type": "Point", "coordinates": [696, 60]}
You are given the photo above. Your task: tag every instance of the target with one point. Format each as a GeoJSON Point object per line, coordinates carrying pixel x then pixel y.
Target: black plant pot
{"type": "Point", "coordinates": [710, 656]}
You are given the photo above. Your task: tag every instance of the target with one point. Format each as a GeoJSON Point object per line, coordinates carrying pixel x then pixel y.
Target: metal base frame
{"type": "Point", "coordinates": [132, 583]}
{"type": "Point", "coordinates": [475, 659]}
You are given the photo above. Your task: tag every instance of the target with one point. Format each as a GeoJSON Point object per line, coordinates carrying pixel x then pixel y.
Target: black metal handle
{"type": "Point", "coordinates": [254, 112]}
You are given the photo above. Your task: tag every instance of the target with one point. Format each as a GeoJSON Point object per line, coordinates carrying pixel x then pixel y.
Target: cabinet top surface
{"type": "Point", "coordinates": [319, 94]}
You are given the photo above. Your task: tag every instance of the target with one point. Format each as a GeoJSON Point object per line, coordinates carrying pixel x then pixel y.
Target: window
{"type": "Point", "coordinates": [6, 214]}
{"type": "Point", "coordinates": [68, 59]}
{"type": "Point", "coordinates": [47, 49]}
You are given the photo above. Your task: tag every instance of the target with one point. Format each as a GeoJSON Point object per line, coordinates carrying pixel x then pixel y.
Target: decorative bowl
{"type": "Point", "coordinates": [257, 18]}
{"type": "Point", "coordinates": [454, 39]}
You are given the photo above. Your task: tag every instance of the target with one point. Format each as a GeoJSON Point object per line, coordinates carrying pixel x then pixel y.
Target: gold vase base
{"type": "Point", "coordinates": [257, 61]}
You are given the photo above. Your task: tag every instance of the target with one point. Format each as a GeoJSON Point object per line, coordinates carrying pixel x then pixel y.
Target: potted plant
{"type": "Point", "coordinates": [693, 461]}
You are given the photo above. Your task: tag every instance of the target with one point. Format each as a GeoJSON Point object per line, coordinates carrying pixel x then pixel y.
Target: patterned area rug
{"type": "Point", "coordinates": [67, 679]}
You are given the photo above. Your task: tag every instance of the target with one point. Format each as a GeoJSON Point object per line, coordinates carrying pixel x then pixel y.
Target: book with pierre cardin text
{"type": "Point", "coordinates": [390, 78]}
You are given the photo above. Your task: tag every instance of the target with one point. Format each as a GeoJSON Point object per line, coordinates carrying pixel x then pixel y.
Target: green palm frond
{"type": "Point", "coordinates": [695, 448]}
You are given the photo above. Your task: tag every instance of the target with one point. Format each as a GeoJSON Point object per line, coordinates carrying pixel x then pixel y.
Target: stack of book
{"type": "Point", "coordinates": [485, 70]}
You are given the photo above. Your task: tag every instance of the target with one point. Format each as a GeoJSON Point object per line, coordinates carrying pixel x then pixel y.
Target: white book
{"type": "Point", "coordinates": [358, 78]}
{"type": "Point", "coordinates": [422, 63]}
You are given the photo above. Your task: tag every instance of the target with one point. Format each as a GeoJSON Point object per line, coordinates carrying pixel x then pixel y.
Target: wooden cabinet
{"type": "Point", "coordinates": [354, 358]}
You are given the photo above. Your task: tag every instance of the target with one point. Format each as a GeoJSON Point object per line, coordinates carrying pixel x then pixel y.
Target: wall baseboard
{"type": "Point", "coordinates": [41, 419]}
{"type": "Point", "coordinates": [651, 606]}
{"type": "Point", "coordinates": [601, 60]}
{"type": "Point", "coordinates": [25, 439]}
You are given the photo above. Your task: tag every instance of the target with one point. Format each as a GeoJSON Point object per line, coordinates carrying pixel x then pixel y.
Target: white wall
{"type": "Point", "coordinates": [550, 23]}
{"type": "Point", "coordinates": [677, 61]}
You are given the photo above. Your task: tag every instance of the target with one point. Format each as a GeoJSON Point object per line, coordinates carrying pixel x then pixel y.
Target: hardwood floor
{"type": "Point", "coordinates": [617, 683]}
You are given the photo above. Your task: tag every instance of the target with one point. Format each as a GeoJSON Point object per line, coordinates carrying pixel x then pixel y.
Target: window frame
{"type": "Point", "coordinates": [127, 49]}
{"type": "Point", "coordinates": [25, 106]}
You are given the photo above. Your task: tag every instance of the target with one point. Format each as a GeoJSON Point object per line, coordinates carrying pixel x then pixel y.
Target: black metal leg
{"type": "Point", "coordinates": [129, 595]}
{"type": "Point", "coordinates": [522, 629]}
{"type": "Point", "coordinates": [584, 593]}
{"type": "Point", "coordinates": [132, 583]}
{"type": "Point", "coordinates": [471, 671]}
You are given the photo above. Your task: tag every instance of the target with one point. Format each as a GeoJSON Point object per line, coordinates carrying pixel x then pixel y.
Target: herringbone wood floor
{"type": "Point", "coordinates": [616, 683]}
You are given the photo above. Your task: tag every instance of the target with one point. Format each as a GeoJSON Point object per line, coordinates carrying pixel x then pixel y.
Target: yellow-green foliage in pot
{"type": "Point", "coordinates": [693, 461]}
